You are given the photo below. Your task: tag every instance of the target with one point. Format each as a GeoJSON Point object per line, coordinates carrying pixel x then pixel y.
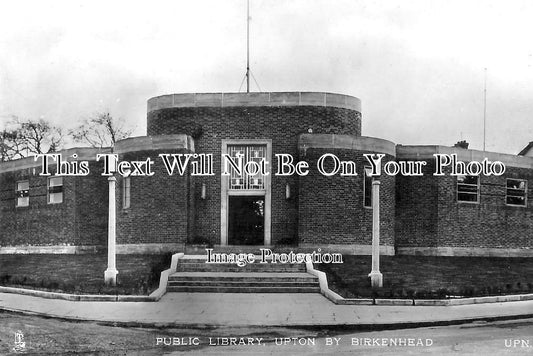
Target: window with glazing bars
{"type": "Point", "coordinates": [256, 153]}
{"type": "Point", "coordinates": [23, 193]}
{"type": "Point", "coordinates": [516, 193]}
{"type": "Point", "coordinates": [468, 189]}
{"type": "Point", "coordinates": [55, 190]}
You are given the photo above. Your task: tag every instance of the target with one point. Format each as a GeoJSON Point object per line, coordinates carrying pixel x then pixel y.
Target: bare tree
{"type": "Point", "coordinates": [26, 137]}
{"type": "Point", "coordinates": [99, 131]}
{"type": "Point", "coordinates": [9, 146]}
{"type": "Point", "coordinates": [39, 136]}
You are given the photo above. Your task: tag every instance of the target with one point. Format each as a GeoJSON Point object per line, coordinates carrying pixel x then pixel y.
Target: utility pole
{"type": "Point", "coordinates": [485, 111]}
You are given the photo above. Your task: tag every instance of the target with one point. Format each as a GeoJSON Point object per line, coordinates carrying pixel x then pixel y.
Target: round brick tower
{"type": "Point", "coordinates": [294, 123]}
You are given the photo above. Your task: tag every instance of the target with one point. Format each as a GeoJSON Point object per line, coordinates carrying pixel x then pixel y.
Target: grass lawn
{"type": "Point", "coordinates": [83, 274]}
{"type": "Point", "coordinates": [424, 277]}
{"type": "Point", "coordinates": [417, 277]}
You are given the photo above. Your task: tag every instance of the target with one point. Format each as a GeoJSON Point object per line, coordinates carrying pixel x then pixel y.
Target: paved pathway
{"type": "Point", "coordinates": [242, 309]}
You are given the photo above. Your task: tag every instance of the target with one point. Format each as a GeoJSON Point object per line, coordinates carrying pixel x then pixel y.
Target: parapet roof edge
{"type": "Point", "coordinates": [427, 152]}
{"type": "Point", "coordinates": [336, 141]}
{"type": "Point", "coordinates": [130, 144]}
{"type": "Point", "coordinates": [83, 153]}
{"type": "Point", "coordinates": [273, 99]}
{"type": "Point", "coordinates": [156, 142]}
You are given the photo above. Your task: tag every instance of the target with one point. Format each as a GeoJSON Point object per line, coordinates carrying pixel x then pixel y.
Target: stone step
{"type": "Point", "coordinates": [255, 249]}
{"type": "Point", "coordinates": [217, 289]}
{"type": "Point", "coordinates": [191, 267]}
{"type": "Point", "coordinates": [243, 277]}
{"type": "Point", "coordinates": [256, 263]}
{"type": "Point", "coordinates": [193, 274]}
{"type": "Point", "coordinates": [242, 284]}
{"type": "Point", "coordinates": [257, 259]}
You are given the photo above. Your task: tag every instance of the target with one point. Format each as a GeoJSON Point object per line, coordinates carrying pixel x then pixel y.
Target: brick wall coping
{"type": "Point", "coordinates": [132, 144]}
{"type": "Point", "coordinates": [426, 152]}
{"type": "Point", "coordinates": [84, 153]}
{"type": "Point", "coordinates": [254, 99]}
{"type": "Point", "coordinates": [359, 143]}
{"type": "Point", "coordinates": [149, 143]}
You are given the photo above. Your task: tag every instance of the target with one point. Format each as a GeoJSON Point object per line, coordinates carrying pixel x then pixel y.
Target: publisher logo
{"type": "Point", "coordinates": [20, 344]}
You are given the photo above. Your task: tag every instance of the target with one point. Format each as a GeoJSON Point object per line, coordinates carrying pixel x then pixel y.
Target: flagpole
{"type": "Point", "coordinates": [248, 46]}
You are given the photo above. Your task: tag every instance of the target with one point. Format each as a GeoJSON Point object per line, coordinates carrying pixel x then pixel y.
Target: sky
{"type": "Point", "coordinates": [417, 66]}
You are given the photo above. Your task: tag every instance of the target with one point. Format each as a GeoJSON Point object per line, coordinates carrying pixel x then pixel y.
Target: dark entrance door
{"type": "Point", "coordinates": [246, 221]}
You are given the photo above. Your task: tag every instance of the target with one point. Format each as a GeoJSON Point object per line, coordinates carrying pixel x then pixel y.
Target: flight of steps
{"type": "Point", "coordinates": [194, 275]}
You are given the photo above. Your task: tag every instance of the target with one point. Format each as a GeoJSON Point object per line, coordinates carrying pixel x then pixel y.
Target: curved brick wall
{"type": "Point", "coordinates": [162, 206]}
{"type": "Point", "coordinates": [281, 117]}
{"type": "Point", "coordinates": [256, 114]}
{"type": "Point", "coordinates": [331, 208]}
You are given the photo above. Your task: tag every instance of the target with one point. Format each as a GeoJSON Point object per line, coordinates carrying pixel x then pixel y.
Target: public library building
{"type": "Point", "coordinates": [485, 215]}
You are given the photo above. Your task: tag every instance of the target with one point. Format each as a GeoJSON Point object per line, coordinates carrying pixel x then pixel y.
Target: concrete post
{"type": "Point", "coordinates": [376, 278]}
{"type": "Point", "coordinates": [110, 275]}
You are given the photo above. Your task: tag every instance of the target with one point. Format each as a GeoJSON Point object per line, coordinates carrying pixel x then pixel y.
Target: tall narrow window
{"type": "Point", "coordinates": [468, 189]}
{"type": "Point", "coordinates": [55, 190]}
{"type": "Point", "coordinates": [516, 192]}
{"type": "Point", "coordinates": [23, 193]}
{"type": "Point", "coordinates": [126, 190]}
{"type": "Point", "coordinates": [367, 188]}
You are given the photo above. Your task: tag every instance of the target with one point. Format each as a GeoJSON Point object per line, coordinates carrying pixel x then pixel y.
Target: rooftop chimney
{"type": "Point", "coordinates": [462, 144]}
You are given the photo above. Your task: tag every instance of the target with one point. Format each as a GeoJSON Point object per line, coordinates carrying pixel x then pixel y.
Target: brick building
{"type": "Point", "coordinates": [432, 215]}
